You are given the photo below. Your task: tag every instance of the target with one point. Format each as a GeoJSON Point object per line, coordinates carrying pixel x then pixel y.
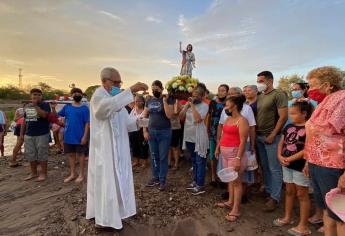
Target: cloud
{"type": "Point", "coordinates": [49, 78]}
{"type": "Point", "coordinates": [277, 35]}
{"type": "Point", "coordinates": [182, 23]}
{"type": "Point", "coordinates": [169, 63]}
{"type": "Point", "coordinates": [112, 16]}
{"type": "Point", "coordinates": [153, 19]}
{"type": "Point", "coordinates": [11, 62]}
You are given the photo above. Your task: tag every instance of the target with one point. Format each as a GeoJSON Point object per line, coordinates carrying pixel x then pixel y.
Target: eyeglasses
{"type": "Point", "coordinates": [116, 82]}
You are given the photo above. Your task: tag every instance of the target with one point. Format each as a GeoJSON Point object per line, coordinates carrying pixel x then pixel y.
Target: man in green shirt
{"type": "Point", "coordinates": [272, 114]}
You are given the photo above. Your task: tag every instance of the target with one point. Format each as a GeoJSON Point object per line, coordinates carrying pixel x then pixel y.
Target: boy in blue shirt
{"type": "Point", "coordinates": [76, 134]}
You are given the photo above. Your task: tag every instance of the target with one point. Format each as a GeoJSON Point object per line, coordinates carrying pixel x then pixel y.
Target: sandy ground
{"type": "Point", "coordinates": [55, 208]}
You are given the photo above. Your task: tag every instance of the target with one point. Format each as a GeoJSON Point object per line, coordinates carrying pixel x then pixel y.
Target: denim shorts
{"type": "Point", "coordinates": [291, 176]}
{"type": "Point", "coordinates": [324, 179]}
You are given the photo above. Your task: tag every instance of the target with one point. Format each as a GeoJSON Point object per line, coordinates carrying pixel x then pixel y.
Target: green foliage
{"type": "Point", "coordinates": [285, 82]}
{"type": "Point", "coordinates": [13, 93]}
{"type": "Point", "coordinates": [90, 90]}
{"type": "Point", "coordinates": [343, 79]}
{"type": "Point", "coordinates": [49, 92]}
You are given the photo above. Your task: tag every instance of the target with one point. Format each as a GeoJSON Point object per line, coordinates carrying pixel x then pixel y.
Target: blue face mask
{"type": "Point", "coordinates": [114, 91]}
{"type": "Point", "coordinates": [297, 94]}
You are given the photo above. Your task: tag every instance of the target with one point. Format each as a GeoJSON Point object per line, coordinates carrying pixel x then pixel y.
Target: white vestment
{"type": "Point", "coordinates": [110, 188]}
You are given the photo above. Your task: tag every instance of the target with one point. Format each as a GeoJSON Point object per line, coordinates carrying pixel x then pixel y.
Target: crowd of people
{"type": "Point", "coordinates": [298, 143]}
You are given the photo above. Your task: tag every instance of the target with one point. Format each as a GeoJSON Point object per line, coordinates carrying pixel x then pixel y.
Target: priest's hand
{"type": "Point", "coordinates": [139, 87]}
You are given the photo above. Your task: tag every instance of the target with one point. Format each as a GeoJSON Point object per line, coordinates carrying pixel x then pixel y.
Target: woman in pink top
{"type": "Point", "coordinates": [232, 146]}
{"type": "Point", "coordinates": [325, 142]}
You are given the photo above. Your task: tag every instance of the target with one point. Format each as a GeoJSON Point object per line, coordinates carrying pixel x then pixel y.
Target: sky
{"type": "Point", "coordinates": [61, 42]}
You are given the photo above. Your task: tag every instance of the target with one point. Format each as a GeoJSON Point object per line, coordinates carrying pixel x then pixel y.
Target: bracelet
{"type": "Point", "coordinates": [238, 158]}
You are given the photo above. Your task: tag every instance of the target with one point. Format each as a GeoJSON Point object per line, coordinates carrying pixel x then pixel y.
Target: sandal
{"type": "Point", "coordinates": [224, 205]}
{"type": "Point", "coordinates": [279, 222]}
{"type": "Point", "coordinates": [321, 230]}
{"type": "Point", "coordinates": [295, 232]}
{"type": "Point", "coordinates": [14, 164]}
{"type": "Point", "coordinates": [315, 221]}
{"type": "Point", "coordinates": [232, 217]}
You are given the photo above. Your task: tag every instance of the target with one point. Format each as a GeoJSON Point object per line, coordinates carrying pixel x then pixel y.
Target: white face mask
{"type": "Point", "coordinates": [262, 87]}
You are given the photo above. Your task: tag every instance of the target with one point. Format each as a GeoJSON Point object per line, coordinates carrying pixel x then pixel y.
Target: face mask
{"type": "Point", "coordinates": [77, 98]}
{"type": "Point", "coordinates": [115, 90]}
{"type": "Point", "coordinates": [316, 95]}
{"type": "Point", "coordinates": [262, 87]}
{"type": "Point", "coordinates": [196, 101]}
{"type": "Point", "coordinates": [297, 94]}
{"type": "Point", "coordinates": [228, 113]}
{"type": "Point", "coordinates": [157, 94]}
{"type": "Point", "coordinates": [222, 99]}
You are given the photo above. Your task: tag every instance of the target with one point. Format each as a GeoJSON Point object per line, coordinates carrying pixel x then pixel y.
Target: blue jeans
{"type": "Point", "coordinates": [159, 143]}
{"type": "Point", "coordinates": [323, 179]}
{"type": "Point", "coordinates": [199, 165]}
{"type": "Point", "coordinates": [271, 168]}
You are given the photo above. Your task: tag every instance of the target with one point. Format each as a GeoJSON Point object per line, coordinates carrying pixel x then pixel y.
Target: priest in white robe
{"type": "Point", "coordinates": [110, 188]}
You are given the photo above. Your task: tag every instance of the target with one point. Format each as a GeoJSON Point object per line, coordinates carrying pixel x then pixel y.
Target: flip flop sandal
{"type": "Point", "coordinates": [14, 165]}
{"type": "Point", "coordinates": [280, 223]}
{"type": "Point", "coordinates": [234, 219]}
{"type": "Point", "coordinates": [295, 232]}
{"type": "Point", "coordinates": [223, 205]}
{"type": "Point", "coordinates": [315, 221]}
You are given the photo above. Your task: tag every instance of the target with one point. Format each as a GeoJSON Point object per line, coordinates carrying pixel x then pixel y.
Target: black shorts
{"type": "Point", "coordinates": [2, 128]}
{"type": "Point", "coordinates": [175, 138]}
{"type": "Point", "coordinates": [16, 131]}
{"type": "Point", "coordinates": [75, 148]}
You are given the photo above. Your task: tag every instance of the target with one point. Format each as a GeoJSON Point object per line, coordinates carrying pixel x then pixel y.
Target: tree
{"type": "Point", "coordinates": [343, 71]}
{"type": "Point", "coordinates": [285, 82]}
{"type": "Point", "coordinates": [44, 87]}
{"type": "Point", "coordinates": [13, 93]}
{"type": "Point", "coordinates": [90, 90]}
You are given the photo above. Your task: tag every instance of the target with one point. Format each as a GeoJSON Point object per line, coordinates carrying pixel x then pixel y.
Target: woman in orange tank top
{"type": "Point", "coordinates": [232, 147]}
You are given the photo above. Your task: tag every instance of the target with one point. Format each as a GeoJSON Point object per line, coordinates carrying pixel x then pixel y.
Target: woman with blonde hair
{"type": "Point", "coordinates": [325, 142]}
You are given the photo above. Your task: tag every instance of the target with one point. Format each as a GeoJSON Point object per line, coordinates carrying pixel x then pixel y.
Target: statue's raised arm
{"type": "Point", "coordinates": [188, 60]}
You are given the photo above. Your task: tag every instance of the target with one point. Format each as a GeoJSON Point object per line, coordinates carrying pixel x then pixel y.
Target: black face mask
{"type": "Point", "coordinates": [77, 98]}
{"type": "Point", "coordinates": [222, 99]}
{"type": "Point", "coordinates": [228, 113]}
{"type": "Point", "coordinates": [157, 94]}
{"type": "Point", "coordinates": [196, 101]}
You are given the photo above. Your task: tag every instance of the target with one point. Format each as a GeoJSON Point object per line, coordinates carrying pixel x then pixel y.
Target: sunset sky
{"type": "Point", "coordinates": [69, 41]}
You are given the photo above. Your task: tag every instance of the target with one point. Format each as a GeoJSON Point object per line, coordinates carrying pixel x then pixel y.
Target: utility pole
{"type": "Point", "coordinates": [20, 77]}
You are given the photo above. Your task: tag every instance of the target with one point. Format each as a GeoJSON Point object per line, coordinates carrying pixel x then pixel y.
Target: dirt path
{"type": "Point", "coordinates": [53, 208]}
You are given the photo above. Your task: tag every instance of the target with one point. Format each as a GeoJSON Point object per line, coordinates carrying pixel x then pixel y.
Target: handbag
{"type": "Point", "coordinates": [252, 163]}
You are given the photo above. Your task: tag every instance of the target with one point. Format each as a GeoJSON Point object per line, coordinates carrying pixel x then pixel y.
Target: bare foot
{"type": "Point", "coordinates": [80, 179]}
{"type": "Point", "coordinates": [41, 178]}
{"type": "Point", "coordinates": [32, 176]}
{"type": "Point", "coordinates": [69, 178]}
